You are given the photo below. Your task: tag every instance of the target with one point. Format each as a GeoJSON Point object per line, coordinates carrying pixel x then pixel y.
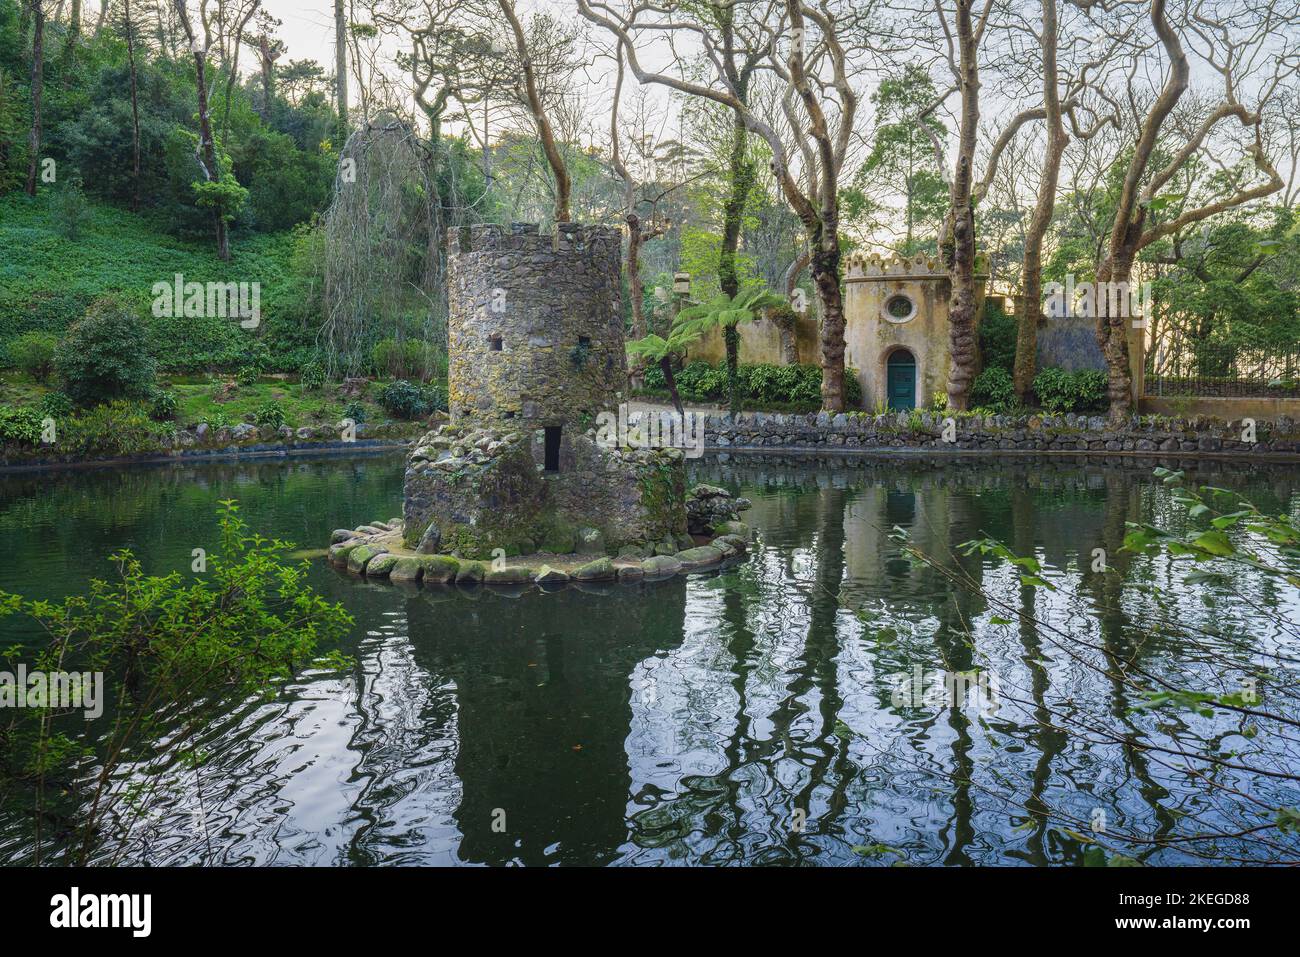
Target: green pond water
{"type": "Point", "coordinates": [742, 717]}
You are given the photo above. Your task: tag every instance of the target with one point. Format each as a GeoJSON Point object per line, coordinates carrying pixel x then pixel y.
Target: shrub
{"type": "Point", "coordinates": [248, 375]}
{"type": "Point", "coordinates": [243, 628]}
{"type": "Point", "coordinates": [1061, 391]}
{"type": "Point", "coordinates": [33, 352]}
{"type": "Point", "coordinates": [105, 356]}
{"type": "Point", "coordinates": [69, 210]}
{"type": "Point", "coordinates": [164, 406]}
{"type": "Point", "coordinates": [57, 405]}
{"type": "Point", "coordinates": [312, 375]}
{"type": "Point", "coordinates": [355, 410]}
{"type": "Point", "coordinates": [19, 426]}
{"type": "Point", "coordinates": [112, 429]}
{"type": "Point", "coordinates": [761, 384]}
{"type": "Point", "coordinates": [993, 389]}
{"type": "Point", "coordinates": [405, 400]}
{"type": "Point", "coordinates": [269, 415]}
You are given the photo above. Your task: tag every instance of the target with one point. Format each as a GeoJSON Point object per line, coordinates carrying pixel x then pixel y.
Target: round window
{"type": "Point", "coordinates": [899, 308]}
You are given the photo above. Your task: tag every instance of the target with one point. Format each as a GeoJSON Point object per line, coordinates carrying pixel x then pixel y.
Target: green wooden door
{"type": "Point", "coordinates": [902, 380]}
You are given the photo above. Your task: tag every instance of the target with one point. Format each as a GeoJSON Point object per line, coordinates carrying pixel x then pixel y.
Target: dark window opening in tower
{"type": "Point", "coordinates": [494, 343]}
{"type": "Point", "coordinates": [552, 448]}
{"type": "Point", "coordinates": [584, 342]}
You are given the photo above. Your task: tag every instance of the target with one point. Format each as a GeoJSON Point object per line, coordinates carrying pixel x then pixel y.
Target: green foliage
{"type": "Point", "coordinates": [69, 210]}
{"type": "Point", "coordinates": [111, 430]}
{"type": "Point", "coordinates": [993, 389]}
{"type": "Point", "coordinates": [312, 375]}
{"type": "Point", "coordinates": [1080, 391]}
{"type": "Point", "coordinates": [355, 410]}
{"type": "Point", "coordinates": [105, 355]}
{"type": "Point", "coordinates": [33, 352]}
{"type": "Point", "coordinates": [761, 384]}
{"type": "Point", "coordinates": [724, 312]}
{"type": "Point", "coordinates": [405, 400]}
{"type": "Point", "coordinates": [269, 415]}
{"type": "Point", "coordinates": [164, 406]}
{"type": "Point", "coordinates": [997, 336]}
{"type": "Point", "coordinates": [20, 426]}
{"type": "Point", "coordinates": [1226, 529]}
{"type": "Point", "coordinates": [57, 405]}
{"type": "Point", "coordinates": [52, 284]}
{"type": "Point", "coordinates": [407, 359]}
{"type": "Point", "coordinates": [248, 374]}
{"type": "Point", "coordinates": [187, 646]}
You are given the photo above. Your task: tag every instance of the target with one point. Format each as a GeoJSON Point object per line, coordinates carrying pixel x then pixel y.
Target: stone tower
{"type": "Point", "coordinates": [535, 326]}
{"type": "Point", "coordinates": [535, 338]}
{"type": "Point", "coordinates": [896, 335]}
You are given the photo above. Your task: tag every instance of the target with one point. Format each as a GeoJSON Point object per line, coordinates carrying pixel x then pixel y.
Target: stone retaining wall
{"type": "Point", "coordinates": [995, 433]}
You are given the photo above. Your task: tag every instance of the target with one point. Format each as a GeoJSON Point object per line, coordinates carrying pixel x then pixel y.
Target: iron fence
{"type": "Point", "coordinates": [1224, 369]}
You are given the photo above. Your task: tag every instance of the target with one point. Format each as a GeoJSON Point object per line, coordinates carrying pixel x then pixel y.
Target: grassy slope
{"type": "Point", "coordinates": [46, 280]}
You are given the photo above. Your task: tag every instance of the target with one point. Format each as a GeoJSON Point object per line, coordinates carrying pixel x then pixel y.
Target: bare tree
{"type": "Point", "coordinates": [1253, 50]}
{"type": "Point", "coordinates": [341, 63]}
{"type": "Point", "coordinates": [207, 151]}
{"type": "Point", "coordinates": [563, 185]}
{"type": "Point", "coordinates": [824, 103]}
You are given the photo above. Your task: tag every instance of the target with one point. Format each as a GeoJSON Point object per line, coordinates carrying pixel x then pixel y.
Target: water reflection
{"type": "Point", "coordinates": [738, 718]}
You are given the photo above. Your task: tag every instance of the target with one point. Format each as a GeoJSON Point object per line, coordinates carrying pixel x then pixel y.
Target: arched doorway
{"type": "Point", "coordinates": [900, 379]}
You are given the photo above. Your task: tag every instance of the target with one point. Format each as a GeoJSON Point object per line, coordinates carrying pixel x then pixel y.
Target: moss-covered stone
{"type": "Point", "coordinates": [630, 573]}
{"type": "Point", "coordinates": [338, 554]}
{"type": "Point", "coordinates": [341, 535]}
{"type": "Point", "coordinates": [665, 548]}
{"type": "Point", "coordinates": [471, 573]}
{"type": "Point", "coordinates": [380, 565]}
{"type": "Point", "coordinates": [699, 556]}
{"type": "Point", "coordinates": [734, 542]}
{"type": "Point", "coordinates": [739, 529]}
{"type": "Point", "coordinates": [439, 568]}
{"type": "Point", "coordinates": [406, 570]}
{"type": "Point", "coordinates": [358, 557]}
{"type": "Point", "coordinates": [635, 550]}
{"type": "Point", "coordinates": [602, 569]}
{"type": "Point", "coordinates": [661, 565]}
{"type": "Point", "coordinates": [546, 575]}
{"type": "Point", "coordinates": [510, 575]}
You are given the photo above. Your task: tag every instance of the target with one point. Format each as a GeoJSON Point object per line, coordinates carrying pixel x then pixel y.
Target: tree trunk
{"type": "Point", "coordinates": [740, 182]}
{"type": "Point", "coordinates": [962, 344]}
{"type": "Point", "coordinates": [208, 149]}
{"type": "Point", "coordinates": [787, 324]}
{"type": "Point", "coordinates": [1112, 331]}
{"type": "Point", "coordinates": [1032, 285]}
{"type": "Point", "coordinates": [666, 364]}
{"type": "Point", "coordinates": [135, 106]}
{"type": "Point", "coordinates": [38, 82]}
{"type": "Point", "coordinates": [636, 293]}
{"type": "Point", "coordinates": [268, 76]}
{"type": "Point", "coordinates": [825, 269]}
{"type": "Point", "coordinates": [341, 66]}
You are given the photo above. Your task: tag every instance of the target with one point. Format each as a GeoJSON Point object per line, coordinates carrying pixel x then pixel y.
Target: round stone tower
{"type": "Point", "coordinates": [535, 326]}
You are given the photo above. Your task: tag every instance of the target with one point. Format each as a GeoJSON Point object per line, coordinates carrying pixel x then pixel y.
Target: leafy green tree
{"type": "Point", "coordinates": [662, 351]}
{"type": "Point", "coordinates": [105, 356]}
{"type": "Point", "coordinates": [901, 161]}
{"type": "Point", "coordinates": [725, 313]}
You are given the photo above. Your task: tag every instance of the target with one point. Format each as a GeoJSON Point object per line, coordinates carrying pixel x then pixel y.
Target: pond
{"type": "Point", "coordinates": [751, 716]}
